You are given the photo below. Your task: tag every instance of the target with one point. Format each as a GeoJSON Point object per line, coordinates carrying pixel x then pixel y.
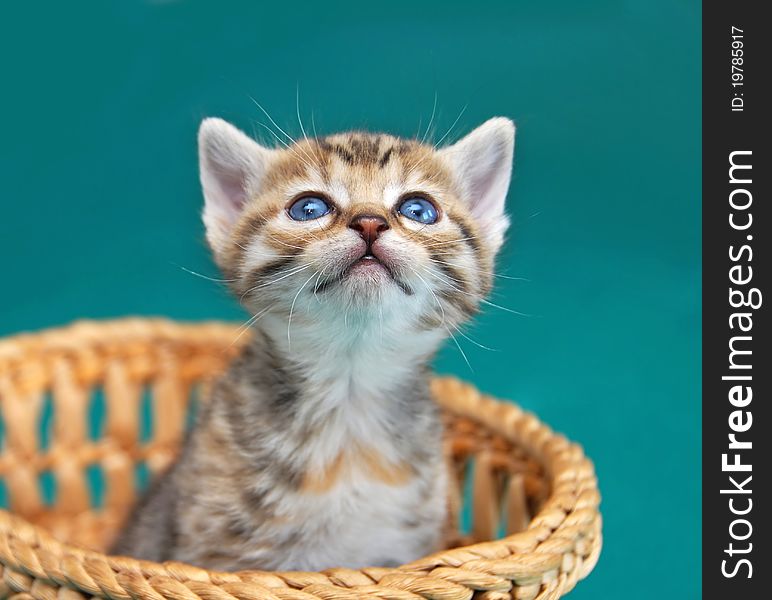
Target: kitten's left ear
{"type": "Point", "coordinates": [482, 164]}
{"type": "Point", "coordinates": [232, 166]}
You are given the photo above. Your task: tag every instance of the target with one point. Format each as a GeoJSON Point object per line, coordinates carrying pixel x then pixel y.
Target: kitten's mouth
{"type": "Point", "coordinates": [369, 259]}
{"type": "Point", "coordinates": [370, 268]}
{"type": "Point", "coordinates": [368, 263]}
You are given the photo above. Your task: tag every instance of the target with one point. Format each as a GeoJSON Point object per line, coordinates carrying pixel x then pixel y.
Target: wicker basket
{"type": "Point", "coordinates": [75, 405]}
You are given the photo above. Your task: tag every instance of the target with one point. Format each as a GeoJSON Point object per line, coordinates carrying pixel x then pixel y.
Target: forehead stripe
{"type": "Point", "coordinates": [384, 160]}
{"type": "Point", "coordinates": [337, 149]}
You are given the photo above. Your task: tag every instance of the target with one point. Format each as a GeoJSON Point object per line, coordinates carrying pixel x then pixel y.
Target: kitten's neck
{"type": "Point", "coordinates": [358, 356]}
{"type": "Point", "coordinates": [353, 385]}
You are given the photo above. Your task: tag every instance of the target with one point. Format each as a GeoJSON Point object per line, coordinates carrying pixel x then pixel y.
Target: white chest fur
{"type": "Point", "coordinates": [362, 522]}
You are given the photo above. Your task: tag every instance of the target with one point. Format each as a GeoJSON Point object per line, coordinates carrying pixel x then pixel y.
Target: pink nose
{"type": "Point", "coordinates": [369, 227]}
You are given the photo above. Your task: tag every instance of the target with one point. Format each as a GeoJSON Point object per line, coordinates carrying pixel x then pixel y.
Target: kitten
{"type": "Point", "coordinates": [357, 254]}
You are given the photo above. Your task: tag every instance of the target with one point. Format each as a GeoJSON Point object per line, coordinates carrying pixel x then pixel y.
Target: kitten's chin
{"type": "Point", "coordinates": [368, 267]}
{"type": "Point", "coordinates": [367, 276]}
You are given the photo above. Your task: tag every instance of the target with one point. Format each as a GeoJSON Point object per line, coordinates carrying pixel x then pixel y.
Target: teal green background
{"type": "Point", "coordinates": [100, 199]}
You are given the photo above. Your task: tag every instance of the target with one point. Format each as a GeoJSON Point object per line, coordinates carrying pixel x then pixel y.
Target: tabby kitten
{"type": "Point", "coordinates": [357, 254]}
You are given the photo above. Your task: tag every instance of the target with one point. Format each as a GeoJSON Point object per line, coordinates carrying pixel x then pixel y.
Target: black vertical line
{"type": "Point", "coordinates": [728, 129]}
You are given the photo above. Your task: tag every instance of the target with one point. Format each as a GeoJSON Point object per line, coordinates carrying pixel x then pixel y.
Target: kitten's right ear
{"type": "Point", "coordinates": [482, 162]}
{"type": "Point", "coordinates": [232, 166]}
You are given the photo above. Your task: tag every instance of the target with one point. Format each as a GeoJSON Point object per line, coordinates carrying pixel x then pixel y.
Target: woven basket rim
{"type": "Point", "coordinates": [560, 546]}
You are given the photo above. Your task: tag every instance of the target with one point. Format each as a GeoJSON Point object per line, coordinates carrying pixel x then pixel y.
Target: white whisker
{"type": "Point", "coordinates": [292, 308]}
{"type": "Point", "coordinates": [450, 264]}
{"type": "Point", "coordinates": [270, 118]}
{"type": "Point", "coordinates": [445, 243]}
{"type": "Point", "coordinates": [466, 360]}
{"type": "Point", "coordinates": [291, 149]}
{"type": "Point", "coordinates": [431, 291]}
{"type": "Point", "coordinates": [297, 111]}
{"type": "Point", "coordinates": [431, 119]}
{"type": "Point", "coordinates": [264, 255]}
{"type": "Point", "coordinates": [249, 322]}
{"type": "Point", "coordinates": [463, 110]}
{"type": "Point", "coordinates": [504, 308]}
{"type": "Point", "coordinates": [380, 313]}
{"type": "Point", "coordinates": [447, 280]}
{"type": "Point", "coordinates": [204, 276]}
{"type": "Point", "coordinates": [287, 135]}
{"type": "Point", "coordinates": [302, 128]}
{"type": "Point", "coordinates": [475, 342]}
{"type": "Point", "coordinates": [283, 243]}
{"type": "Point", "coordinates": [313, 125]}
{"type": "Point", "coordinates": [285, 274]}
{"type": "Point", "coordinates": [318, 283]}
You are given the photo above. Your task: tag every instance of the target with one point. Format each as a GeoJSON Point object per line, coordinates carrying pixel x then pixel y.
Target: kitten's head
{"type": "Point", "coordinates": [365, 225]}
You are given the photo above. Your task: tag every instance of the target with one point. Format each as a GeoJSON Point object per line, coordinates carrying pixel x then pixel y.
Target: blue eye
{"type": "Point", "coordinates": [419, 209]}
{"type": "Point", "coordinates": [308, 208]}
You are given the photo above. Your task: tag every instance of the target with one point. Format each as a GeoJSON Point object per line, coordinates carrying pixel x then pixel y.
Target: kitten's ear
{"type": "Point", "coordinates": [482, 164]}
{"type": "Point", "coordinates": [232, 166]}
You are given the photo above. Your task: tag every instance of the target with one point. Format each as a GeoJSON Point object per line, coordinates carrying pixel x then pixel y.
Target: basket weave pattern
{"type": "Point", "coordinates": [529, 484]}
